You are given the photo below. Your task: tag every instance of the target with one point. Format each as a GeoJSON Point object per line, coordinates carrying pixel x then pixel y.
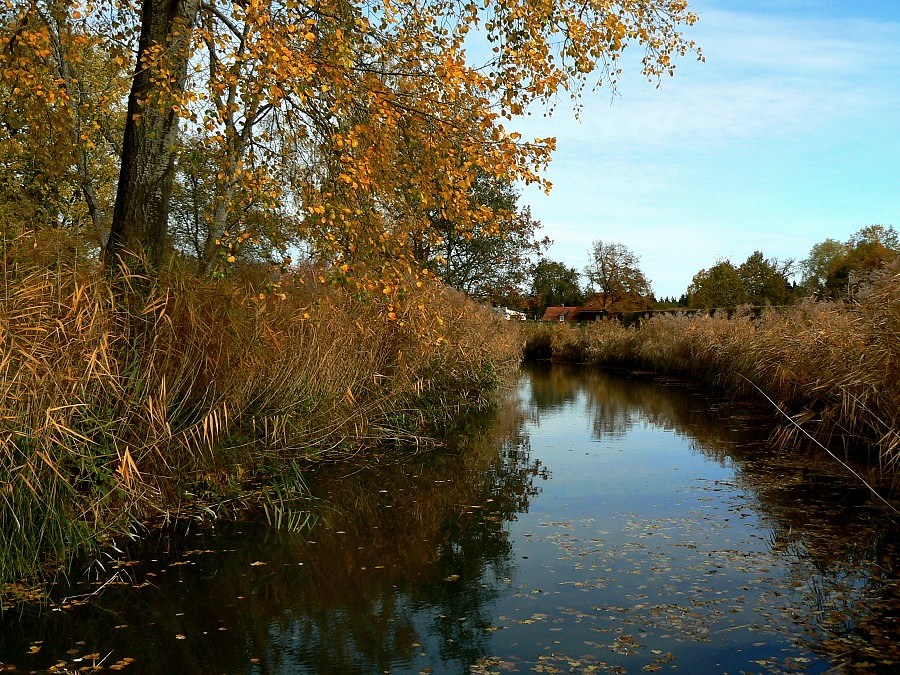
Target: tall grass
{"type": "Point", "coordinates": [834, 367]}
{"type": "Point", "coordinates": [116, 409]}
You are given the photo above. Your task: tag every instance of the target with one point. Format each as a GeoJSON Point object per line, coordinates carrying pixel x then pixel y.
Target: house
{"type": "Point", "coordinates": [510, 314]}
{"type": "Point", "coordinates": [597, 309]}
{"type": "Point", "coordinates": [562, 314]}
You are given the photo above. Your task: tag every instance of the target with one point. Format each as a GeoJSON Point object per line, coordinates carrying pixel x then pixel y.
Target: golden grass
{"type": "Point", "coordinates": [116, 408]}
{"type": "Point", "coordinates": [833, 366]}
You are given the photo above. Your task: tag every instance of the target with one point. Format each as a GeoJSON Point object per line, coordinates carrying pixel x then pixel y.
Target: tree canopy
{"type": "Point", "coordinates": [833, 267]}
{"type": "Point", "coordinates": [489, 261]}
{"type": "Point", "coordinates": [554, 284]}
{"type": "Point", "coordinates": [765, 279]}
{"type": "Point", "coordinates": [719, 286]}
{"type": "Point", "coordinates": [615, 273]}
{"type": "Point", "coordinates": [345, 125]}
{"type": "Point", "coordinates": [756, 281]}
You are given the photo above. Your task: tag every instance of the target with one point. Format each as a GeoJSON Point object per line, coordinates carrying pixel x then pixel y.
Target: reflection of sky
{"type": "Point", "coordinates": [592, 469]}
{"type": "Point", "coordinates": [637, 546]}
{"type": "Point", "coordinates": [639, 535]}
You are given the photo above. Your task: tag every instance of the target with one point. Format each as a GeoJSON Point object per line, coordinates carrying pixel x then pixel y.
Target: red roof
{"type": "Point", "coordinates": [553, 313]}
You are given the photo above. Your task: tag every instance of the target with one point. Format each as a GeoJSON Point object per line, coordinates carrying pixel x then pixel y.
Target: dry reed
{"type": "Point", "coordinates": [120, 408]}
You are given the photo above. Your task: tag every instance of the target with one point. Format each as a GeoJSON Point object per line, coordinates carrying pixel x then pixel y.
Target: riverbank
{"type": "Point", "coordinates": [833, 367]}
{"type": "Point", "coordinates": [207, 397]}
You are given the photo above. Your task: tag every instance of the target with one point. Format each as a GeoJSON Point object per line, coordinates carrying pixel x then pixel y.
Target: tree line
{"type": "Point", "coordinates": [614, 280]}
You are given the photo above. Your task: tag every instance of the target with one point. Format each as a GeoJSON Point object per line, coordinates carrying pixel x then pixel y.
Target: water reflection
{"type": "Point", "coordinates": [668, 535]}
{"type": "Point", "coordinates": [400, 569]}
{"type": "Point", "coordinates": [837, 542]}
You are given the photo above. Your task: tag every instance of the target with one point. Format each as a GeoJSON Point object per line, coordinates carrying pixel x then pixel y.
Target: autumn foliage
{"type": "Point", "coordinates": [343, 126]}
{"type": "Point", "coordinates": [162, 161]}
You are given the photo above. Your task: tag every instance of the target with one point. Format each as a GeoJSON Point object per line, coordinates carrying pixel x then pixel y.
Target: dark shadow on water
{"type": "Point", "coordinates": [401, 568]}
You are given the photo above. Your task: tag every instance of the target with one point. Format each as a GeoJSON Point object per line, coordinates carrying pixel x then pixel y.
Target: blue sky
{"type": "Point", "coordinates": [788, 134]}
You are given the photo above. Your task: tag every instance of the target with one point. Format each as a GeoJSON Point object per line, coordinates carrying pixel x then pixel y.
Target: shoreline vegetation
{"type": "Point", "coordinates": [198, 398]}
{"type": "Point", "coordinates": [203, 398]}
{"type": "Point", "coordinates": [832, 366]}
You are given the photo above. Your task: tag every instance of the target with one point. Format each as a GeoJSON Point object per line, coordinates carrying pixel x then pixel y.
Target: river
{"type": "Point", "coordinates": [593, 523]}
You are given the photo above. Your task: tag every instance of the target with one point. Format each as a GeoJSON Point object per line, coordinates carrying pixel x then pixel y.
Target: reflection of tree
{"type": "Point", "coordinates": [552, 386]}
{"type": "Point", "coordinates": [839, 543]}
{"type": "Point", "coordinates": [841, 547]}
{"type": "Point", "coordinates": [476, 548]}
{"type": "Point", "coordinates": [410, 556]}
{"type": "Point", "coordinates": [402, 552]}
{"type": "Point", "coordinates": [614, 404]}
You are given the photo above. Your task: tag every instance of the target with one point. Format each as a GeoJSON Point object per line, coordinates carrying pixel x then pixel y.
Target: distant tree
{"type": "Point", "coordinates": [490, 261]}
{"type": "Point", "coordinates": [766, 280]}
{"type": "Point", "coordinates": [615, 274]}
{"type": "Point", "coordinates": [554, 284]}
{"type": "Point", "coordinates": [833, 267]}
{"type": "Point", "coordinates": [817, 266]}
{"type": "Point", "coordinates": [867, 250]}
{"type": "Point", "coordinates": [720, 286]}
{"type": "Point", "coordinates": [665, 303]}
{"type": "Point", "coordinates": [884, 236]}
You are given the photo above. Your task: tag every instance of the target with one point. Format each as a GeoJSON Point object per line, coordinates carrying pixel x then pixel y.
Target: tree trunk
{"type": "Point", "coordinates": [139, 224]}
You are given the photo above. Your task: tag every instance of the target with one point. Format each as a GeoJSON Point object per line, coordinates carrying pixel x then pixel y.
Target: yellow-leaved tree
{"type": "Point", "coordinates": [347, 125]}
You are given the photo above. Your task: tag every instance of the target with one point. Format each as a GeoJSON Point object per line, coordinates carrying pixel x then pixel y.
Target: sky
{"type": "Point", "coordinates": [788, 134]}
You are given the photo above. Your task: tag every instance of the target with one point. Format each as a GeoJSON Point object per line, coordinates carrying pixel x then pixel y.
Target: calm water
{"type": "Point", "coordinates": [596, 523]}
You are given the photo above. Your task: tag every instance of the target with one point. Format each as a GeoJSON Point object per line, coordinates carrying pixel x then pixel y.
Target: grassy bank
{"type": "Point", "coordinates": [834, 367]}
{"type": "Point", "coordinates": [206, 395]}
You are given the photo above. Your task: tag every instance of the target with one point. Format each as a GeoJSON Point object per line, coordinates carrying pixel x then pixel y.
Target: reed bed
{"type": "Point", "coordinates": [120, 409]}
{"type": "Point", "coordinates": [833, 367]}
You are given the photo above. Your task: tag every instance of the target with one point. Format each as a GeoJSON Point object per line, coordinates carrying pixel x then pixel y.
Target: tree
{"type": "Point", "coordinates": [884, 236]}
{"type": "Point", "coordinates": [818, 264]}
{"type": "Point", "coordinates": [867, 250]}
{"type": "Point", "coordinates": [554, 284]}
{"type": "Point", "coordinates": [720, 286]}
{"type": "Point", "coordinates": [61, 122]}
{"type": "Point", "coordinates": [833, 267]}
{"type": "Point", "coordinates": [615, 273]}
{"type": "Point", "coordinates": [489, 261]}
{"type": "Point", "coordinates": [147, 170]}
{"type": "Point", "coordinates": [352, 119]}
{"type": "Point", "coordinates": [765, 280]}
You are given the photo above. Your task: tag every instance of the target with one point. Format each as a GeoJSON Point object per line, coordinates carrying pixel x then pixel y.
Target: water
{"type": "Point", "coordinates": [596, 523]}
